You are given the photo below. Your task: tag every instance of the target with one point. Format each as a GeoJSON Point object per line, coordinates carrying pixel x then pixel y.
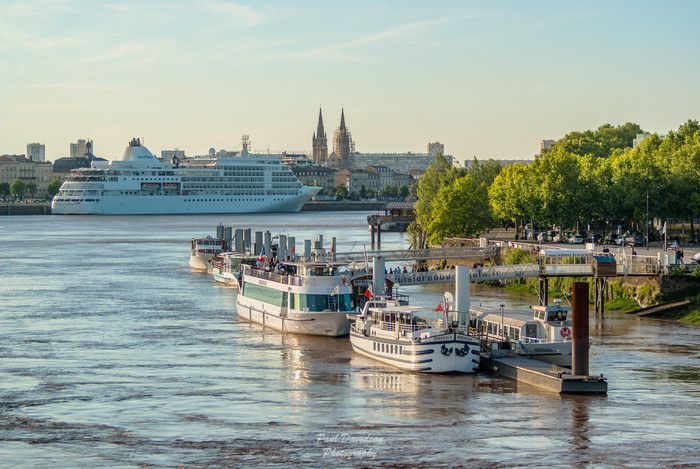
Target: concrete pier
{"type": "Point", "coordinates": [550, 377]}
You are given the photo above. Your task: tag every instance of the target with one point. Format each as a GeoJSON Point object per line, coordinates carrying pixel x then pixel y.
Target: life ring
{"type": "Point", "coordinates": [565, 332]}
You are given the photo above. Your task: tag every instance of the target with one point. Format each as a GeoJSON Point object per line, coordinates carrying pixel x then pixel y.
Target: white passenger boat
{"type": "Point", "coordinates": [141, 184]}
{"type": "Point", "coordinates": [543, 334]}
{"type": "Point", "coordinates": [202, 250]}
{"type": "Point", "coordinates": [226, 267]}
{"type": "Point", "coordinates": [408, 338]}
{"type": "Point", "coordinates": [302, 298]}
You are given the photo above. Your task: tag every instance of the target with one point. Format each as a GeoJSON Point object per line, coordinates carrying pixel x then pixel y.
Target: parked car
{"type": "Point", "coordinates": [577, 239]}
{"type": "Point", "coordinates": [542, 236]}
{"type": "Point", "coordinates": [629, 241]}
{"type": "Point", "coordinates": [595, 238]}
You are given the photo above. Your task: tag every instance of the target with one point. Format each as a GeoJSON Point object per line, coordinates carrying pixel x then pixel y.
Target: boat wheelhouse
{"type": "Point", "coordinates": [226, 267]}
{"type": "Point", "coordinates": [544, 334]}
{"type": "Point", "coordinates": [413, 339]}
{"type": "Point", "coordinates": [297, 297]}
{"type": "Point", "coordinates": [202, 250]}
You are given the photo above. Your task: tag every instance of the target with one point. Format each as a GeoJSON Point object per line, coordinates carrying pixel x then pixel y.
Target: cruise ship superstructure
{"type": "Point", "coordinates": [141, 184]}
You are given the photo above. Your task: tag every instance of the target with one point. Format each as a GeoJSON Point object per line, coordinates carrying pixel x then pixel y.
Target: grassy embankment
{"type": "Point", "coordinates": [623, 297]}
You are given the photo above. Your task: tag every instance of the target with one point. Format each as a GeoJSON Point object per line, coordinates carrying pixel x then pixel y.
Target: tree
{"type": "Point", "coordinates": [507, 194]}
{"type": "Point", "coordinates": [55, 185]}
{"type": "Point", "coordinates": [460, 209]}
{"type": "Point", "coordinates": [403, 192]}
{"type": "Point", "coordinates": [18, 188]}
{"type": "Point", "coordinates": [364, 193]}
{"type": "Point", "coordinates": [556, 177]}
{"type": "Point", "coordinates": [4, 189]}
{"type": "Point", "coordinates": [599, 143]}
{"type": "Point", "coordinates": [390, 191]}
{"type": "Point", "coordinates": [31, 188]}
{"type": "Point", "coordinates": [440, 173]}
{"type": "Point", "coordinates": [485, 171]}
{"type": "Point", "coordinates": [341, 192]}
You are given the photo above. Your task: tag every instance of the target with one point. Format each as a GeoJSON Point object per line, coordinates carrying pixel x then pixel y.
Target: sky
{"type": "Point", "coordinates": [487, 78]}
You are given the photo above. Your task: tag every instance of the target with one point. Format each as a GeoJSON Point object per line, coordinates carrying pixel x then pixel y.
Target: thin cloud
{"type": "Point", "coordinates": [240, 14]}
{"type": "Point", "coordinates": [388, 35]}
{"type": "Point", "coordinates": [102, 87]}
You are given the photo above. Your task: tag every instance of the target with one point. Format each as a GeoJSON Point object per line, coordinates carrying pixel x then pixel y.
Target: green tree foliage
{"type": "Point", "coordinates": [341, 192]}
{"type": "Point", "coordinates": [460, 209]}
{"type": "Point", "coordinates": [403, 192]}
{"type": "Point", "coordinates": [18, 188]}
{"type": "Point", "coordinates": [365, 193]}
{"type": "Point", "coordinates": [485, 171]}
{"type": "Point", "coordinates": [592, 177]}
{"type": "Point", "coordinates": [507, 194]}
{"type": "Point", "coordinates": [599, 143]}
{"type": "Point", "coordinates": [390, 191]}
{"type": "Point", "coordinates": [557, 188]}
{"type": "Point", "coordinates": [440, 173]}
{"type": "Point", "coordinates": [31, 188]}
{"type": "Point", "coordinates": [4, 189]}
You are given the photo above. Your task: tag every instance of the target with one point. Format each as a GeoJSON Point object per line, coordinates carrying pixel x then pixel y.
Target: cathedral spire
{"type": "Point", "coordinates": [342, 118]}
{"type": "Point", "coordinates": [319, 130]}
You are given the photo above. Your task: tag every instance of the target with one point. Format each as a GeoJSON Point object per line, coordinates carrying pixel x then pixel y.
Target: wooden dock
{"type": "Point", "coordinates": [545, 375]}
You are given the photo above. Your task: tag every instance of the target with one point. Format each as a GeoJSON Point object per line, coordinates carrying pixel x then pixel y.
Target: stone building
{"type": "Point", "coordinates": [315, 175]}
{"type": "Point", "coordinates": [19, 167]}
{"type": "Point", "coordinates": [374, 178]}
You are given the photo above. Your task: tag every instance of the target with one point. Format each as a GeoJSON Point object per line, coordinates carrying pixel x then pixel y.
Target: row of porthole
{"type": "Point", "coordinates": [229, 200]}
{"type": "Point", "coordinates": [390, 348]}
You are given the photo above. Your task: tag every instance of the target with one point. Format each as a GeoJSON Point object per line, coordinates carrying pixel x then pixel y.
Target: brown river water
{"type": "Point", "coordinates": [113, 354]}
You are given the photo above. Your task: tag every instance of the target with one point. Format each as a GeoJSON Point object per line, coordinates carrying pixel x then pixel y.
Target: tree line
{"type": "Point", "coordinates": [19, 189]}
{"type": "Point", "coordinates": [592, 178]}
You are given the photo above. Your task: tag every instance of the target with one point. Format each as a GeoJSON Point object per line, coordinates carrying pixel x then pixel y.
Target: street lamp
{"type": "Point", "coordinates": [503, 329]}
{"type": "Point", "coordinates": [647, 224]}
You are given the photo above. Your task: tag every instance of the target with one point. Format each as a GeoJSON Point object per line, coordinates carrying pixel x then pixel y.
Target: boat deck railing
{"type": "Point", "coordinates": [262, 274]}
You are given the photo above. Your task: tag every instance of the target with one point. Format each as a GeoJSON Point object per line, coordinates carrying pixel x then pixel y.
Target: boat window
{"type": "Point", "coordinates": [266, 295]}
{"type": "Point", "coordinates": [531, 330]}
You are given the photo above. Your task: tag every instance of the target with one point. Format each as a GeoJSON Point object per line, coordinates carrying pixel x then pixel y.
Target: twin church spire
{"type": "Point", "coordinates": [343, 146]}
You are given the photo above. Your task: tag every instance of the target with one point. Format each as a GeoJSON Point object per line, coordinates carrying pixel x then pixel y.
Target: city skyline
{"type": "Point", "coordinates": [486, 80]}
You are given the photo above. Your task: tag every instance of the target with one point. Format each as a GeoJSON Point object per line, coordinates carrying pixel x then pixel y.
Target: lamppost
{"type": "Point", "coordinates": [647, 224]}
{"type": "Point", "coordinates": [503, 329]}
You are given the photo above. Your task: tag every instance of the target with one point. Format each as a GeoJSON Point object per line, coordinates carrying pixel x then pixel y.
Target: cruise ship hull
{"type": "Point", "coordinates": [182, 205]}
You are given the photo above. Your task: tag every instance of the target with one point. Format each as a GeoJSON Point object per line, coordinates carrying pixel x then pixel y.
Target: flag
{"type": "Point", "coordinates": [262, 255]}
{"type": "Point", "coordinates": [439, 308]}
{"type": "Point", "coordinates": [336, 290]}
{"type": "Point", "coordinates": [663, 230]}
{"type": "Point", "coordinates": [368, 293]}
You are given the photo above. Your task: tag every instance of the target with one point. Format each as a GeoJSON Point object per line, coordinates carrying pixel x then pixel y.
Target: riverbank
{"type": "Point", "coordinates": [341, 206]}
{"type": "Point", "coordinates": [25, 209]}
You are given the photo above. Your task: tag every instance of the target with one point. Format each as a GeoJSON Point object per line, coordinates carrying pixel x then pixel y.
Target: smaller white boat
{"type": "Point", "coordinates": [226, 267]}
{"type": "Point", "coordinates": [204, 249]}
{"type": "Point", "coordinates": [544, 334]}
{"type": "Point", "coordinates": [411, 338]}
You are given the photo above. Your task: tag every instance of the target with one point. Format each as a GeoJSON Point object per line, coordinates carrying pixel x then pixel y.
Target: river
{"type": "Point", "coordinates": [112, 353]}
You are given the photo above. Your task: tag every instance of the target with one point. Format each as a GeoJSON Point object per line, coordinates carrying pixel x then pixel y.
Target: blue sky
{"type": "Point", "coordinates": [488, 79]}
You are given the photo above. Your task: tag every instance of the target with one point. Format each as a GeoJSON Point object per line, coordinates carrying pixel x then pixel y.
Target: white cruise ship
{"type": "Point", "coordinates": [140, 184]}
